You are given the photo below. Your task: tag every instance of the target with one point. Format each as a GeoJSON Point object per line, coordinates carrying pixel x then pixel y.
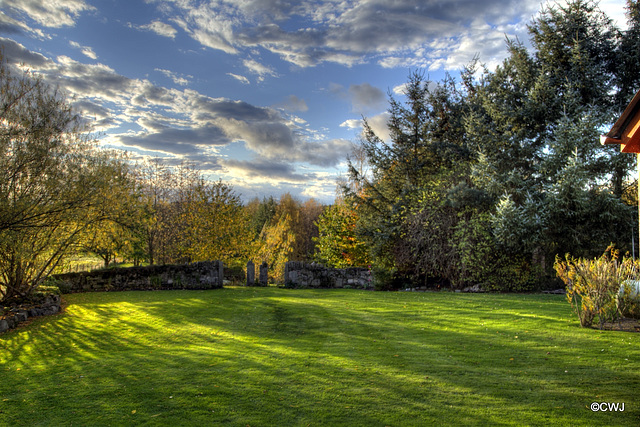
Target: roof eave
{"type": "Point", "coordinates": [619, 127]}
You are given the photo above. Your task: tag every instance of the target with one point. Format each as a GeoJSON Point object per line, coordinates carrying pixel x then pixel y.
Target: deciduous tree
{"type": "Point", "coordinates": [55, 182]}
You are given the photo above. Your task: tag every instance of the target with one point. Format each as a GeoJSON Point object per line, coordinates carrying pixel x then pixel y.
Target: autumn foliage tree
{"type": "Point", "coordinates": [186, 218]}
{"type": "Point", "coordinates": [289, 233]}
{"type": "Point", "coordinates": [55, 184]}
{"type": "Point", "coordinates": [216, 224]}
{"type": "Point", "coordinates": [338, 244]}
{"type": "Point", "coordinates": [116, 236]}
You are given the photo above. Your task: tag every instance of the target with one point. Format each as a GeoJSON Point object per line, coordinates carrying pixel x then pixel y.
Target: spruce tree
{"type": "Point", "coordinates": [535, 132]}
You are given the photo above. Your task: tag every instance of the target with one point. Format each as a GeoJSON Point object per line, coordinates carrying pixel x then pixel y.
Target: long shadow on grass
{"type": "Point", "coordinates": [340, 338]}
{"type": "Point", "coordinates": [275, 356]}
{"type": "Point", "coordinates": [504, 369]}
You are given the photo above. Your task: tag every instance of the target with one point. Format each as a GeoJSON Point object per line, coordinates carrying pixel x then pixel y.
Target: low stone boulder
{"type": "Point", "coordinates": [473, 289]}
{"type": "Point", "coordinates": [15, 315]}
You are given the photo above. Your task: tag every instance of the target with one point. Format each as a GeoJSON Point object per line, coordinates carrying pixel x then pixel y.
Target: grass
{"type": "Point", "coordinates": [269, 356]}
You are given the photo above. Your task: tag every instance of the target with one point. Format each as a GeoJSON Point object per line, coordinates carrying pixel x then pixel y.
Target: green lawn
{"type": "Point", "coordinates": [269, 356]}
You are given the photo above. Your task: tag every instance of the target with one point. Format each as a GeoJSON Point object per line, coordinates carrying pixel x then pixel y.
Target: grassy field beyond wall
{"type": "Point", "coordinates": [270, 356]}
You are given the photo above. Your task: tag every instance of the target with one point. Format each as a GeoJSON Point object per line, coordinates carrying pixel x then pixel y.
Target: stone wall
{"type": "Point", "coordinates": [198, 275]}
{"type": "Point", "coordinates": [49, 304]}
{"type": "Point", "coordinates": [303, 275]}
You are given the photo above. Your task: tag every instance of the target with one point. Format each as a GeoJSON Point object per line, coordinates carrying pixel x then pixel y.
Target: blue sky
{"type": "Point", "coordinates": [267, 95]}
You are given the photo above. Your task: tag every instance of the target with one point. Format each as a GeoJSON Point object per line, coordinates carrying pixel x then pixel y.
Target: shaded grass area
{"type": "Point", "coordinates": [269, 356]}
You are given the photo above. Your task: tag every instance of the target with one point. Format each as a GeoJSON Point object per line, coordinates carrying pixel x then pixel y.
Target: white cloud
{"type": "Point", "coordinates": [321, 190]}
{"type": "Point", "coordinates": [177, 79]}
{"type": "Point", "coordinates": [54, 14]}
{"type": "Point", "coordinates": [393, 34]}
{"type": "Point", "coordinates": [86, 50]}
{"type": "Point", "coordinates": [323, 153]}
{"type": "Point", "coordinates": [96, 117]}
{"type": "Point", "coordinates": [211, 24]}
{"type": "Point", "coordinates": [160, 28]}
{"type": "Point", "coordinates": [241, 79]}
{"type": "Point", "coordinates": [177, 122]}
{"type": "Point", "coordinates": [377, 123]}
{"type": "Point", "coordinates": [352, 124]}
{"type": "Point", "coordinates": [90, 81]}
{"type": "Point", "coordinates": [17, 54]}
{"type": "Point", "coordinates": [259, 170]}
{"type": "Point", "coordinates": [9, 25]}
{"type": "Point", "coordinates": [293, 103]}
{"type": "Point", "coordinates": [258, 177]}
{"type": "Point", "coordinates": [615, 11]}
{"type": "Point", "coordinates": [400, 89]}
{"type": "Point", "coordinates": [365, 97]}
{"type": "Point", "coordinates": [260, 69]}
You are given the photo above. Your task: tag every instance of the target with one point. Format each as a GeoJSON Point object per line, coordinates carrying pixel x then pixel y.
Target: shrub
{"type": "Point", "coordinates": [593, 286]}
{"type": "Point", "coordinates": [63, 286]}
{"type": "Point", "coordinates": [52, 285]}
{"type": "Point", "coordinates": [385, 279]}
{"type": "Point", "coordinates": [509, 274]}
{"type": "Point", "coordinates": [155, 282]}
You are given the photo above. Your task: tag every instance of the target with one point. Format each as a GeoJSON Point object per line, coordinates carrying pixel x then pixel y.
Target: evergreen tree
{"type": "Point", "coordinates": [534, 128]}
{"type": "Point", "coordinates": [402, 204]}
{"type": "Point", "coordinates": [492, 180]}
{"type": "Point", "coordinates": [263, 214]}
{"type": "Point", "coordinates": [628, 57]}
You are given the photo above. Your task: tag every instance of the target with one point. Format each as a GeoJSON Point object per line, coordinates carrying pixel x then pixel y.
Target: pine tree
{"type": "Point", "coordinates": [403, 200]}
{"type": "Point", "coordinates": [628, 58]}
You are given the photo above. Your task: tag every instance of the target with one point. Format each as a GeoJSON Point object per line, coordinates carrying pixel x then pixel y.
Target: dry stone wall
{"type": "Point", "coordinates": [49, 304]}
{"type": "Point", "coordinates": [198, 275]}
{"type": "Point", "coordinates": [303, 275]}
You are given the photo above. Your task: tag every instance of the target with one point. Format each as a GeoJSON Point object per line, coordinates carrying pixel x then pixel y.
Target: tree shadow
{"type": "Point", "coordinates": [264, 355]}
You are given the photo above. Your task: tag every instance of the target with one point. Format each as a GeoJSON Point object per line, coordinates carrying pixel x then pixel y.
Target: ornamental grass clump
{"type": "Point", "coordinates": [593, 286]}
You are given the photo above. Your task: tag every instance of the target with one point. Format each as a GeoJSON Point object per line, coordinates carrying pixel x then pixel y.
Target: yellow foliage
{"type": "Point", "coordinates": [593, 286]}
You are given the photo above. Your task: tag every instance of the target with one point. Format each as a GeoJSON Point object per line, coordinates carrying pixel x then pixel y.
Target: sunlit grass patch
{"type": "Point", "coordinates": [268, 356]}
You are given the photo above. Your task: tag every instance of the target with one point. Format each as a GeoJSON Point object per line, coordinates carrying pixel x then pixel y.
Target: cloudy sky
{"type": "Point", "coordinates": [267, 95]}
